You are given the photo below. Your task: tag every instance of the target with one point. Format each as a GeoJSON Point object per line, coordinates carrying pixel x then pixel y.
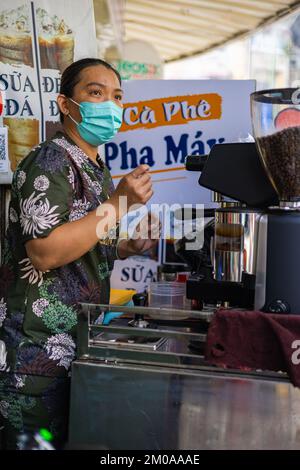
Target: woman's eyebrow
{"type": "Point", "coordinates": [102, 85]}
{"type": "Point", "coordinates": [95, 83]}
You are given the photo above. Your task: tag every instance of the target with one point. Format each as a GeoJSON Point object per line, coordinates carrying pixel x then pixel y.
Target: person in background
{"type": "Point", "coordinates": [58, 252]}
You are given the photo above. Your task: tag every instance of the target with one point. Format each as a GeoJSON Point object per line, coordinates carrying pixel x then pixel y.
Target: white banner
{"type": "Point", "coordinates": [165, 120]}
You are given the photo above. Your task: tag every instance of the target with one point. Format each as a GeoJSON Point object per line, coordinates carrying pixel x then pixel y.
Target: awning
{"type": "Point", "coordinates": [179, 29]}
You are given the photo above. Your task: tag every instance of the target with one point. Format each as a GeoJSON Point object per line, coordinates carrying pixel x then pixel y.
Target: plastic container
{"type": "Point", "coordinates": [169, 295]}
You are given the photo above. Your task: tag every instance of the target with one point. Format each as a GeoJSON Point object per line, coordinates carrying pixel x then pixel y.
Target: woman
{"type": "Point", "coordinates": [53, 259]}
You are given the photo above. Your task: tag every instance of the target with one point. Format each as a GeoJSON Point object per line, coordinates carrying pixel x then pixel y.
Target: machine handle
{"type": "Point", "coordinates": [195, 162]}
{"type": "Point", "coordinates": [139, 300]}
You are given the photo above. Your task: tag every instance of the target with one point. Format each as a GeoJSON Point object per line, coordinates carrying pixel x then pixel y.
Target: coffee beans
{"type": "Point", "coordinates": [281, 154]}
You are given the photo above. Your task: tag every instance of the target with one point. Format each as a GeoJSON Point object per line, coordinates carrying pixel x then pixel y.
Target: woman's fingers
{"type": "Point", "coordinates": [139, 171]}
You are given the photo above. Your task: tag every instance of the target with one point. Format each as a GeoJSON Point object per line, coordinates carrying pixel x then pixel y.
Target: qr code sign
{"type": "Point", "coordinates": [4, 159]}
{"type": "Point", "coordinates": [2, 148]}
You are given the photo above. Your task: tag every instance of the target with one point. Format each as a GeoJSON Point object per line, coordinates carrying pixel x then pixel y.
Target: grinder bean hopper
{"type": "Point", "coordinates": [255, 259]}
{"type": "Point", "coordinates": [276, 127]}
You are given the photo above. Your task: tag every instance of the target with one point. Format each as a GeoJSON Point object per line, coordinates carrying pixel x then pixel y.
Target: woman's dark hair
{"type": "Point", "coordinates": [71, 76]}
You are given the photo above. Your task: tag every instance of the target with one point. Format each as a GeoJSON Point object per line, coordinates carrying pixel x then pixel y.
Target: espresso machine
{"type": "Point", "coordinates": [254, 249]}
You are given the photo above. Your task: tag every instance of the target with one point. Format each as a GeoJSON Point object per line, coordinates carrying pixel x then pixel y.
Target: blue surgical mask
{"type": "Point", "coordinates": [100, 121]}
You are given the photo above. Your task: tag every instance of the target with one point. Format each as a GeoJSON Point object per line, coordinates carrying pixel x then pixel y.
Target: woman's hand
{"type": "Point", "coordinates": [145, 237]}
{"type": "Point", "coordinates": [136, 186]}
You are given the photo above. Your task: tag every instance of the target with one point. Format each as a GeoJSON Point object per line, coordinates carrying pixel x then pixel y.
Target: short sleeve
{"type": "Point", "coordinates": [44, 192]}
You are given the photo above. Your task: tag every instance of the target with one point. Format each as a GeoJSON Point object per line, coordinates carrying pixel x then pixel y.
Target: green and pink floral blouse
{"type": "Point", "coordinates": [55, 184]}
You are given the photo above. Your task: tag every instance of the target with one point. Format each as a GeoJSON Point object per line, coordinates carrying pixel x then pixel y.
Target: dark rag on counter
{"type": "Point", "coordinates": [255, 340]}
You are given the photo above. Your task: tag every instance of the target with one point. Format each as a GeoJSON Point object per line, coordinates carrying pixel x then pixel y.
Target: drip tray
{"type": "Point", "coordinates": [137, 342]}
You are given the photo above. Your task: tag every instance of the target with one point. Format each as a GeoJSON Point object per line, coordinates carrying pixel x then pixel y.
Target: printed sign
{"type": "Point", "coordinates": [164, 121]}
{"type": "Point", "coordinates": [38, 40]}
{"type": "Point", "coordinates": [4, 161]}
{"type": "Point", "coordinates": [130, 70]}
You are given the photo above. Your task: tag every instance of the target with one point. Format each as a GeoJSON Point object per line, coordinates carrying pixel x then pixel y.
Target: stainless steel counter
{"type": "Point", "coordinates": [126, 400]}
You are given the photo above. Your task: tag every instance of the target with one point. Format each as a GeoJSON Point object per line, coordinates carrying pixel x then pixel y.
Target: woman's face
{"type": "Point", "coordinates": [97, 83]}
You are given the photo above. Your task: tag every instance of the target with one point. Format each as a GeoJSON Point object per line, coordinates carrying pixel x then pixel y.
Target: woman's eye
{"type": "Point", "coordinates": [96, 92]}
{"type": "Point", "coordinates": [118, 97]}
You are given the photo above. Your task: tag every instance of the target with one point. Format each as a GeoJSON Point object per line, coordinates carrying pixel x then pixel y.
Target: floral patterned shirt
{"type": "Point", "coordinates": [56, 183]}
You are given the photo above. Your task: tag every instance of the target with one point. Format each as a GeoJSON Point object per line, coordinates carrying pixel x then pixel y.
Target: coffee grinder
{"type": "Point", "coordinates": [276, 127]}
{"type": "Point", "coordinates": [254, 256]}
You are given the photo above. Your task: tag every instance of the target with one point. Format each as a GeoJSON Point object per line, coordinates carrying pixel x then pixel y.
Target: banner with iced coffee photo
{"type": "Point", "coordinates": [38, 40]}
